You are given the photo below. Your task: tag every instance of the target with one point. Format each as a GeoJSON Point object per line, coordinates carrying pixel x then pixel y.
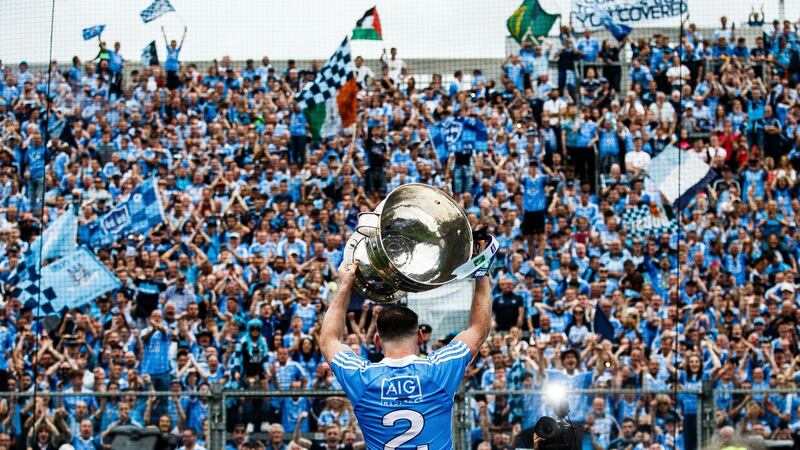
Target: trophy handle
{"type": "Point", "coordinates": [368, 224]}
{"type": "Point", "coordinates": [479, 266]}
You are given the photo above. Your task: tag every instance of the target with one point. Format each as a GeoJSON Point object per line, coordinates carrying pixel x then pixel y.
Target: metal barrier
{"type": "Point", "coordinates": [462, 424]}
{"type": "Point", "coordinates": [463, 413]}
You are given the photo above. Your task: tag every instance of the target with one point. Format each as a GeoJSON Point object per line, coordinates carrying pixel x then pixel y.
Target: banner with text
{"type": "Point", "coordinates": [140, 212]}
{"type": "Point", "coordinates": [589, 14]}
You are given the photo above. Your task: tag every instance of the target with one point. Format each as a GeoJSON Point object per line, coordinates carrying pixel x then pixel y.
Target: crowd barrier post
{"type": "Point", "coordinates": [708, 413]}
{"type": "Point", "coordinates": [461, 420]}
{"type": "Point", "coordinates": [216, 417]}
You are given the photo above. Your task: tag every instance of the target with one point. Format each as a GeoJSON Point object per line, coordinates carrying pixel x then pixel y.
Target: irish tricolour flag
{"type": "Point", "coordinates": [368, 27]}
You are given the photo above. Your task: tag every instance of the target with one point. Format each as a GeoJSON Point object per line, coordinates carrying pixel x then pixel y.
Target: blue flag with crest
{"type": "Point", "coordinates": [138, 214]}
{"type": "Point", "coordinates": [458, 134]}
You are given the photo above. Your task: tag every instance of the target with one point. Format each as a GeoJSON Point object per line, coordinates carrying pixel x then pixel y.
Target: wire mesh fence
{"type": "Point", "coordinates": [174, 212]}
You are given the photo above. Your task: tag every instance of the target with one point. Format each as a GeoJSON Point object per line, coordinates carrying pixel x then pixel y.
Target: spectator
{"type": "Point", "coordinates": [172, 64]}
{"type": "Point", "coordinates": [189, 440]}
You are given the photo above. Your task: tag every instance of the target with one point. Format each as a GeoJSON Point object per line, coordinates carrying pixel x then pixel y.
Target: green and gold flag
{"type": "Point", "coordinates": [530, 21]}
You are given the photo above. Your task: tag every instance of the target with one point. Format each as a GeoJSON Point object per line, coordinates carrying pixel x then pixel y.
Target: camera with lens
{"type": "Point", "coordinates": [556, 434]}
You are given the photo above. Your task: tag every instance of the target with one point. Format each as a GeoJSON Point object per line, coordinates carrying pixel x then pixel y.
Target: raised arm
{"type": "Point", "coordinates": [185, 29]}
{"type": "Point", "coordinates": [334, 320]}
{"type": "Point", "coordinates": [480, 319]}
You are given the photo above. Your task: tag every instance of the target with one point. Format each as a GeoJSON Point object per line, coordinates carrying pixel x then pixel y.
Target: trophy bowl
{"type": "Point", "coordinates": [413, 242]}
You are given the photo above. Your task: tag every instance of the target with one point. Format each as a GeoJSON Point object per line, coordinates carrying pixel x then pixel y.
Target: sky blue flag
{"type": "Point", "coordinates": [91, 32]}
{"type": "Point", "coordinates": [138, 214]}
{"type": "Point", "coordinates": [57, 241]}
{"type": "Point", "coordinates": [156, 9]}
{"type": "Point", "coordinates": [68, 283]}
{"type": "Point", "coordinates": [618, 30]}
{"type": "Point", "coordinates": [459, 134]}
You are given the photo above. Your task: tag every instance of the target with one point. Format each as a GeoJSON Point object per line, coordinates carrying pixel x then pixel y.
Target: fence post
{"type": "Point", "coordinates": [459, 419]}
{"type": "Point", "coordinates": [216, 417]}
{"type": "Point", "coordinates": [708, 412]}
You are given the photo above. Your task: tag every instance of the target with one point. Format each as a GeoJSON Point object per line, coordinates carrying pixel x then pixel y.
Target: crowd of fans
{"type": "Point", "coordinates": [232, 288]}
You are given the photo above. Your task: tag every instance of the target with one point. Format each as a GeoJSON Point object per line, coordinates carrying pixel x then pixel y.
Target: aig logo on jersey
{"type": "Point", "coordinates": [403, 389]}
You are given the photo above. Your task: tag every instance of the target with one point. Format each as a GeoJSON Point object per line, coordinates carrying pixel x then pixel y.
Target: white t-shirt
{"type": "Point", "coordinates": [712, 153]}
{"type": "Point", "coordinates": [637, 159]}
{"type": "Point", "coordinates": [554, 107]}
{"type": "Point", "coordinates": [666, 113]}
{"type": "Point", "coordinates": [364, 72]}
{"type": "Point", "coordinates": [678, 72]}
{"type": "Point", "coordinates": [395, 67]}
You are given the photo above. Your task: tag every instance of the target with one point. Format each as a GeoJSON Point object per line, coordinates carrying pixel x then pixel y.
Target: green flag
{"type": "Point", "coordinates": [530, 21]}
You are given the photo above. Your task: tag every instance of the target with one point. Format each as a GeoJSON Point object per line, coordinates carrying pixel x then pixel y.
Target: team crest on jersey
{"type": "Point", "coordinates": [405, 388]}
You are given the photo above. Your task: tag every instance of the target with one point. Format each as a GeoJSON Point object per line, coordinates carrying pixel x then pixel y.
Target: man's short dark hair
{"type": "Point", "coordinates": [628, 419]}
{"type": "Point", "coordinates": [572, 352]}
{"type": "Point", "coordinates": [251, 444]}
{"type": "Point", "coordinates": [397, 322]}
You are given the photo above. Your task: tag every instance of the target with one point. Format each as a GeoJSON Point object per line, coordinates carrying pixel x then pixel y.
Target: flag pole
{"type": "Point", "coordinates": [183, 21]}
{"type": "Point", "coordinates": [560, 26]}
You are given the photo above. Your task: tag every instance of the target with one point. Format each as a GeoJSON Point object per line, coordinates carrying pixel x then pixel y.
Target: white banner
{"type": "Point", "coordinates": [675, 172]}
{"type": "Point", "coordinates": [445, 309]}
{"type": "Point", "coordinates": [587, 14]}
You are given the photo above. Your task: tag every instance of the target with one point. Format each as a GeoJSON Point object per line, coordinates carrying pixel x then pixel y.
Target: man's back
{"type": "Point", "coordinates": [404, 403]}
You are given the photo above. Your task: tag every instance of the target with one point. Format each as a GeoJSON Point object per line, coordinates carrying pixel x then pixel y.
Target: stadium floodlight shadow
{"type": "Point", "coordinates": [133, 438]}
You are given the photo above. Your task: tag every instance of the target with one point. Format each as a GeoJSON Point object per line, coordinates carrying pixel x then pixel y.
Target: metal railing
{"type": "Point", "coordinates": [462, 423]}
{"type": "Point", "coordinates": [463, 414]}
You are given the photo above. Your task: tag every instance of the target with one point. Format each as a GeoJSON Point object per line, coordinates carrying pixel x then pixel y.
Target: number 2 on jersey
{"type": "Point", "coordinates": [416, 423]}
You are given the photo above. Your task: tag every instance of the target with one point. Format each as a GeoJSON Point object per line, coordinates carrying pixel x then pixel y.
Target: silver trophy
{"type": "Point", "coordinates": [417, 239]}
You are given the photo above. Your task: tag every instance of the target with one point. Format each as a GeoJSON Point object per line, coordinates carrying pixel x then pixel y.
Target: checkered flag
{"type": "Point", "coordinates": [26, 287]}
{"type": "Point", "coordinates": [641, 223]}
{"type": "Point", "coordinates": [58, 240]}
{"type": "Point", "coordinates": [333, 75]}
{"type": "Point", "coordinates": [157, 9]}
{"type": "Point", "coordinates": [24, 281]}
{"type": "Point", "coordinates": [68, 283]}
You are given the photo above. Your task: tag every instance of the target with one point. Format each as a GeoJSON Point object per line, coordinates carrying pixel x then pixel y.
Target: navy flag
{"type": "Point", "coordinates": [602, 325]}
{"type": "Point", "coordinates": [150, 55]}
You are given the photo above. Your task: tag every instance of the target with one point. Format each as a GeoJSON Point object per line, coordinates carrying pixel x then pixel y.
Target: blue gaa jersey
{"type": "Point", "coordinates": [407, 403]}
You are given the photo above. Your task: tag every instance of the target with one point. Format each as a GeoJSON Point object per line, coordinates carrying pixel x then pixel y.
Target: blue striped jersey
{"type": "Point", "coordinates": [404, 403]}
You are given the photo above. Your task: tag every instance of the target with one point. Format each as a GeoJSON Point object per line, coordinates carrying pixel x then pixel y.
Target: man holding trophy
{"type": "Point", "coordinates": [417, 239]}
